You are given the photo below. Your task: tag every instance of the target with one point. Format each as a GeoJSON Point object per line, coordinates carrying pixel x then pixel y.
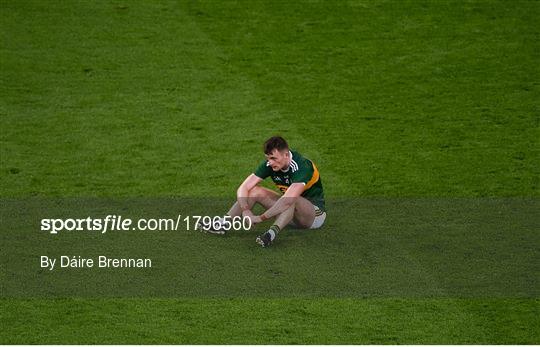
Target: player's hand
{"type": "Point", "coordinates": [254, 219]}
{"type": "Point", "coordinates": [247, 213]}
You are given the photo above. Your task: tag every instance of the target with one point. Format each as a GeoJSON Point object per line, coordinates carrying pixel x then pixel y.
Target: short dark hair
{"type": "Point", "coordinates": [275, 142]}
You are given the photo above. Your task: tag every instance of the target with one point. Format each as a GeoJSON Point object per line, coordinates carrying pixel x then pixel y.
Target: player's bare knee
{"type": "Point", "coordinates": [258, 193]}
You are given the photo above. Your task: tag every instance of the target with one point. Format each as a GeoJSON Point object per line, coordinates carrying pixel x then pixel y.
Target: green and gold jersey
{"type": "Point", "coordinates": [301, 170]}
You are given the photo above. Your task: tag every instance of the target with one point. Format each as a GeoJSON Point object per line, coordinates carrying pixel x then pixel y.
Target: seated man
{"type": "Point", "coordinates": [302, 202]}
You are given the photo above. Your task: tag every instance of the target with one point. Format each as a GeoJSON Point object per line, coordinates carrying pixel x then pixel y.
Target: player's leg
{"type": "Point", "coordinates": [257, 195]}
{"type": "Point", "coordinates": [263, 196]}
{"type": "Point", "coordinates": [302, 213]}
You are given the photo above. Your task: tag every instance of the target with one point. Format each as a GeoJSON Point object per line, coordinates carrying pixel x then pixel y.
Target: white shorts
{"type": "Point", "coordinates": [320, 217]}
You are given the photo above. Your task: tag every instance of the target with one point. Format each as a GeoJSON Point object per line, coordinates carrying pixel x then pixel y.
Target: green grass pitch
{"type": "Point", "coordinates": [398, 102]}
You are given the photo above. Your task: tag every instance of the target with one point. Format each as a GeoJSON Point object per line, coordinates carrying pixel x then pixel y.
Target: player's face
{"type": "Point", "coordinates": [279, 160]}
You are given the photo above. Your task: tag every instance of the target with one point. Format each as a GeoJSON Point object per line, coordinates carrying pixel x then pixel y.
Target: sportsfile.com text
{"type": "Point", "coordinates": [120, 223]}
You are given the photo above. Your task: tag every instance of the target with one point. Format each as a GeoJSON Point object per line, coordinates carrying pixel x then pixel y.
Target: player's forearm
{"type": "Point", "coordinates": [280, 206]}
{"type": "Point", "coordinates": [242, 197]}
{"type": "Point", "coordinates": [242, 193]}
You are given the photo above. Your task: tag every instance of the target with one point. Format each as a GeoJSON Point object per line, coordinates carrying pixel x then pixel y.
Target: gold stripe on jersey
{"type": "Point", "coordinates": [313, 179]}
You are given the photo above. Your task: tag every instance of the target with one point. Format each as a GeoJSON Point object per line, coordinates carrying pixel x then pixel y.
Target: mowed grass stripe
{"type": "Point", "coordinates": [398, 105]}
{"type": "Point", "coordinates": [257, 321]}
{"type": "Point", "coordinates": [401, 98]}
{"type": "Point", "coordinates": [142, 108]}
{"type": "Point", "coordinates": [154, 99]}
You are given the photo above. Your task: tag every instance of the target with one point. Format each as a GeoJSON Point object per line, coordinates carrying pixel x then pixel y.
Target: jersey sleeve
{"type": "Point", "coordinates": [303, 174]}
{"type": "Point", "coordinates": [263, 170]}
